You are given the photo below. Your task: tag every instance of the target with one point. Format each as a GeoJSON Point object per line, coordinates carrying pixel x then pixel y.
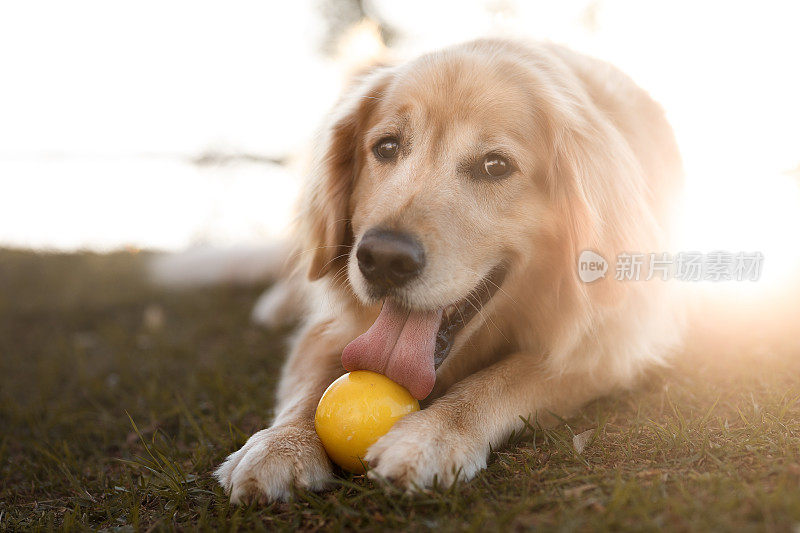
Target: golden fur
{"type": "Point", "coordinates": [597, 169]}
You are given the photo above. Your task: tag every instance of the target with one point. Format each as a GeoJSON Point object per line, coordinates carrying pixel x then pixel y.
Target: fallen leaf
{"type": "Point", "coordinates": [580, 440]}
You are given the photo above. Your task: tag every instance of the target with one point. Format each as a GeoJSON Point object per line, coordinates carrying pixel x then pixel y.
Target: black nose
{"type": "Point", "coordinates": [389, 258]}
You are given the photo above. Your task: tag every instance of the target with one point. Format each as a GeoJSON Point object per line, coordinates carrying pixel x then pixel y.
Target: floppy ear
{"type": "Point", "coordinates": [598, 187]}
{"type": "Point", "coordinates": [325, 208]}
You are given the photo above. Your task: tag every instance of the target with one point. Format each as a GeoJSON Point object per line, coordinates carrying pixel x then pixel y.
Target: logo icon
{"type": "Point", "coordinates": [591, 266]}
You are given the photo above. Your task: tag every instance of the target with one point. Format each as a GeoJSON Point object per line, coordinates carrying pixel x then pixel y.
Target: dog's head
{"type": "Point", "coordinates": [449, 175]}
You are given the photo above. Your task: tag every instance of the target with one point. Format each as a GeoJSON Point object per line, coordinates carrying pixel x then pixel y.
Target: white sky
{"type": "Point", "coordinates": [100, 100]}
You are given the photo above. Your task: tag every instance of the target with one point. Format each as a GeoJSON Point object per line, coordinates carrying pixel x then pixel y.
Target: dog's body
{"type": "Point", "coordinates": [472, 177]}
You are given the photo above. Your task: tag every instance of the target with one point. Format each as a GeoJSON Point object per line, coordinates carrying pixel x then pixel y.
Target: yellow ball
{"type": "Point", "coordinates": [355, 411]}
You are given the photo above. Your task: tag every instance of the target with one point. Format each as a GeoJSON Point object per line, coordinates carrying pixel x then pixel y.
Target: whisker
{"type": "Point", "coordinates": [334, 259]}
{"type": "Point", "coordinates": [315, 248]}
{"type": "Point", "coordinates": [498, 287]}
{"type": "Point", "coordinates": [486, 318]}
{"type": "Point", "coordinates": [341, 273]}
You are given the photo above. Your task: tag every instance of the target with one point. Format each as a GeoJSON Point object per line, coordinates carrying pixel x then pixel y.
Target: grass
{"type": "Point", "coordinates": [117, 400]}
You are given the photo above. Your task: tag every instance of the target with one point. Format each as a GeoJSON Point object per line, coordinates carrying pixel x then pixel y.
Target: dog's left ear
{"type": "Point", "coordinates": [597, 185]}
{"type": "Point", "coordinates": [325, 208]}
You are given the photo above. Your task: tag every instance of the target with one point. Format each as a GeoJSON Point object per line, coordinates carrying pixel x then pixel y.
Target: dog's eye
{"type": "Point", "coordinates": [386, 148]}
{"type": "Point", "coordinates": [493, 166]}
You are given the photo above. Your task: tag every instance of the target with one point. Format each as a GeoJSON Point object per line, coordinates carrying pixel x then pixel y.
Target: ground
{"type": "Point", "coordinates": [117, 400]}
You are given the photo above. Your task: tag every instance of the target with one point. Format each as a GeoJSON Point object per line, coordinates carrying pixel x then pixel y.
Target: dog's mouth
{"type": "Point", "coordinates": [458, 315]}
{"type": "Point", "coordinates": [409, 345]}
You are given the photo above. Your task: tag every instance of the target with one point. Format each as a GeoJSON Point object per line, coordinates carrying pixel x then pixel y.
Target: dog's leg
{"type": "Point", "coordinates": [289, 454]}
{"type": "Point", "coordinates": [453, 436]}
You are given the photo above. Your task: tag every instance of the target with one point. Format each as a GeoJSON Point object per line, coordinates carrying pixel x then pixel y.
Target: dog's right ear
{"type": "Point", "coordinates": [325, 207]}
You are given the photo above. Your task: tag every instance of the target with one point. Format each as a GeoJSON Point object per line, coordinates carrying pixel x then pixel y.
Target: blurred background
{"type": "Point", "coordinates": [165, 125]}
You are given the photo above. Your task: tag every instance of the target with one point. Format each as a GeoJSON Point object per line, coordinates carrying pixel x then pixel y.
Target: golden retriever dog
{"type": "Point", "coordinates": [439, 239]}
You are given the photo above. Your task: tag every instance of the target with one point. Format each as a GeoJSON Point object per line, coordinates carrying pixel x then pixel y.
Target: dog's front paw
{"type": "Point", "coordinates": [272, 462]}
{"type": "Point", "coordinates": [424, 448]}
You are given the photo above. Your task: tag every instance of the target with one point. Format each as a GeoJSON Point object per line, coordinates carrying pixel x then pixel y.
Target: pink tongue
{"type": "Point", "coordinates": [400, 346]}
